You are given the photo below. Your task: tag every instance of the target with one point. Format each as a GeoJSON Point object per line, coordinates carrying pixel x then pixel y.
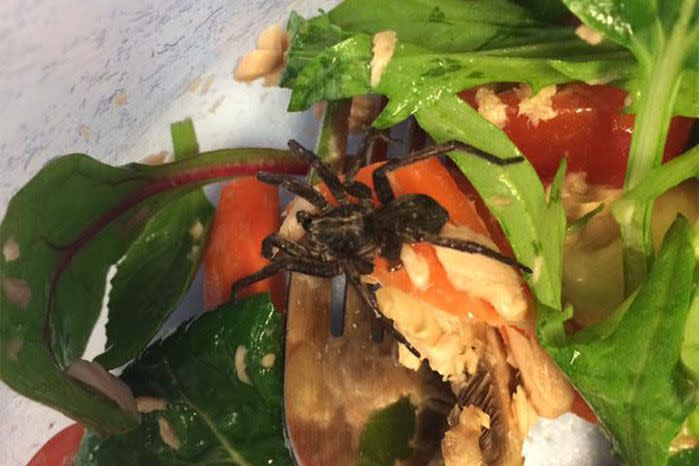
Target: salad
{"type": "Point", "coordinates": [530, 250]}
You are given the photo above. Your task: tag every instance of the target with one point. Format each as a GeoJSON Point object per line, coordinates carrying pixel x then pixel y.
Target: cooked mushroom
{"type": "Point", "coordinates": [489, 390]}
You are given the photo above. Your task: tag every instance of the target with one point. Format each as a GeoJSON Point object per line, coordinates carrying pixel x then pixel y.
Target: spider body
{"type": "Point", "coordinates": [348, 237]}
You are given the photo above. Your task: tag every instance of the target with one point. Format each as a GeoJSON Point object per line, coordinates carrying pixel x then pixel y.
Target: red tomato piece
{"type": "Point", "coordinates": [61, 449]}
{"type": "Point", "coordinates": [590, 130]}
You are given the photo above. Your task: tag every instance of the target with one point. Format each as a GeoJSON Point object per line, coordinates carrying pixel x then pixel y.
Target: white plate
{"type": "Point", "coordinates": [107, 79]}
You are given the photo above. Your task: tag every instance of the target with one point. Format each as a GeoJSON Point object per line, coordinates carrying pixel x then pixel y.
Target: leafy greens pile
{"type": "Point", "coordinates": [633, 368]}
{"type": "Point", "coordinates": [72, 221]}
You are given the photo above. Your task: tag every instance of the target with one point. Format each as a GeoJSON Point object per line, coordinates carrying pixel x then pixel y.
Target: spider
{"type": "Point", "coordinates": [346, 238]}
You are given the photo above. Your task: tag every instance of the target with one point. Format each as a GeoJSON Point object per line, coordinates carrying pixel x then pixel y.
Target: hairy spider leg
{"type": "Point", "coordinates": [329, 178]}
{"type": "Point", "coordinates": [476, 248]}
{"type": "Point", "coordinates": [363, 157]}
{"type": "Point", "coordinates": [364, 152]}
{"type": "Point", "coordinates": [369, 297]}
{"type": "Point", "coordinates": [391, 252]}
{"type": "Point", "coordinates": [277, 241]}
{"type": "Point", "coordinates": [380, 176]}
{"type": "Point", "coordinates": [465, 246]}
{"type": "Point", "coordinates": [294, 186]}
{"type": "Point", "coordinates": [291, 263]}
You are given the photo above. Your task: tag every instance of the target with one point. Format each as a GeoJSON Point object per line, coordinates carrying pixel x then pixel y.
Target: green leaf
{"type": "Point", "coordinates": [690, 347]}
{"type": "Point", "coordinates": [158, 267]}
{"type": "Point", "coordinates": [685, 458]}
{"type": "Point", "coordinates": [216, 417]}
{"type": "Point", "coordinates": [338, 72]}
{"type": "Point", "coordinates": [580, 223]}
{"type": "Point", "coordinates": [664, 38]}
{"type": "Point", "coordinates": [415, 77]}
{"type": "Point", "coordinates": [184, 139]}
{"type": "Point", "coordinates": [693, 422]}
{"type": "Point", "coordinates": [626, 210]}
{"type": "Point", "coordinates": [552, 11]}
{"type": "Point", "coordinates": [63, 231]}
{"type": "Point", "coordinates": [447, 25]}
{"type": "Point", "coordinates": [387, 434]}
{"type": "Point", "coordinates": [513, 193]}
{"type": "Point", "coordinates": [307, 40]}
{"type": "Point", "coordinates": [630, 371]}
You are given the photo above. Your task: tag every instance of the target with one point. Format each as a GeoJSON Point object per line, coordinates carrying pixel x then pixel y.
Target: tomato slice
{"type": "Point", "coordinates": [61, 449]}
{"type": "Point", "coordinates": [589, 129]}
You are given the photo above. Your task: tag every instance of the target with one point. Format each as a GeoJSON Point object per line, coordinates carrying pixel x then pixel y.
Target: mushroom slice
{"type": "Point", "coordinates": [489, 390]}
{"type": "Point", "coordinates": [547, 388]}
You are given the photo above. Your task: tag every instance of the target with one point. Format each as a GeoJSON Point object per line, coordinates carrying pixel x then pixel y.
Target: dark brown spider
{"type": "Point", "coordinates": [345, 239]}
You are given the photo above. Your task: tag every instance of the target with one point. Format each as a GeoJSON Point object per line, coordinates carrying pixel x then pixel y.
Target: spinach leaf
{"type": "Point", "coordinates": [442, 50]}
{"type": "Point", "coordinates": [386, 436]}
{"type": "Point", "coordinates": [417, 76]}
{"type": "Point", "coordinates": [61, 233]}
{"type": "Point", "coordinates": [448, 25]}
{"type": "Point", "coordinates": [664, 38]}
{"type": "Point", "coordinates": [215, 414]}
{"type": "Point", "coordinates": [158, 267]}
{"type": "Point", "coordinates": [630, 372]}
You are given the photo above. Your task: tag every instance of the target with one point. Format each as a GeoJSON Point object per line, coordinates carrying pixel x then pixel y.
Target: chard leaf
{"type": "Point", "coordinates": [215, 417]}
{"type": "Point", "coordinates": [387, 434]}
{"type": "Point", "coordinates": [630, 371]}
{"type": "Point", "coordinates": [61, 233]}
{"type": "Point", "coordinates": [664, 38]}
{"type": "Point", "coordinates": [159, 266]}
{"type": "Point", "coordinates": [513, 193]}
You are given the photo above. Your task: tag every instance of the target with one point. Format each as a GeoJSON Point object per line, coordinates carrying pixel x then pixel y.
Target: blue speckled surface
{"type": "Point", "coordinates": [107, 78]}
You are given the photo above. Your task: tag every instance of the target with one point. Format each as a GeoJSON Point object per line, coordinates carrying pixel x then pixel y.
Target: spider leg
{"type": "Point", "coordinates": [391, 252]}
{"type": "Point", "coordinates": [364, 153]}
{"type": "Point", "coordinates": [369, 297]}
{"type": "Point", "coordinates": [363, 157]}
{"type": "Point", "coordinates": [276, 241]}
{"type": "Point", "coordinates": [292, 264]}
{"type": "Point", "coordinates": [294, 186]}
{"type": "Point", "coordinates": [470, 247]}
{"type": "Point", "coordinates": [329, 178]}
{"type": "Point", "coordinates": [380, 176]}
